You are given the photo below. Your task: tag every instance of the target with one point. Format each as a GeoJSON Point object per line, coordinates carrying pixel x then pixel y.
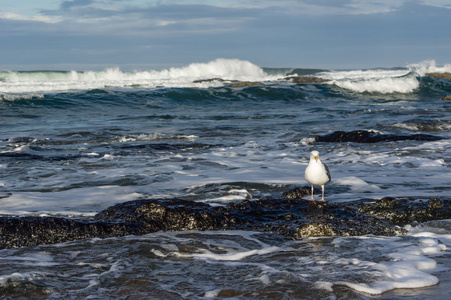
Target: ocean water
{"type": "Point", "coordinates": [73, 143]}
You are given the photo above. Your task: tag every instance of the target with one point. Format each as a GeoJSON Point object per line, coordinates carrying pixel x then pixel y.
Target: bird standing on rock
{"type": "Point", "coordinates": [317, 173]}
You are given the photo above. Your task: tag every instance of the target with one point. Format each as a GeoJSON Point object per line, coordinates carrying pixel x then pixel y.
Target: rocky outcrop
{"type": "Point", "coordinates": [245, 84]}
{"type": "Point", "coordinates": [31, 231]}
{"type": "Point", "coordinates": [302, 218]}
{"type": "Point", "coordinates": [446, 98]}
{"type": "Point", "coordinates": [363, 136]}
{"type": "Point", "coordinates": [213, 79]}
{"type": "Point", "coordinates": [287, 217]}
{"type": "Point", "coordinates": [437, 75]}
{"type": "Point", "coordinates": [296, 193]}
{"type": "Point", "coordinates": [306, 79]}
{"type": "Point", "coordinates": [403, 211]}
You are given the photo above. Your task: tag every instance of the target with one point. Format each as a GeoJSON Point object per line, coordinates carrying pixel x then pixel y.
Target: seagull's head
{"type": "Point", "coordinates": [315, 155]}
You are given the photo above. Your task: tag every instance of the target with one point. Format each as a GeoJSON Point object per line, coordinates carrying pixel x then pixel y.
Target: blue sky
{"type": "Point", "coordinates": [139, 34]}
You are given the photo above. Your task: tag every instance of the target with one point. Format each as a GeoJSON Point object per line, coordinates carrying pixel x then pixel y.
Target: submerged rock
{"type": "Point", "coordinates": [306, 79]}
{"type": "Point", "coordinates": [446, 98]}
{"type": "Point", "coordinates": [363, 136]}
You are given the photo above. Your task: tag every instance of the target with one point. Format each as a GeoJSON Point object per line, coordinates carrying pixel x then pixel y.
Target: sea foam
{"type": "Point", "coordinates": [428, 66]}
{"type": "Point", "coordinates": [382, 81]}
{"type": "Point", "coordinates": [375, 81]}
{"type": "Point", "coordinates": [50, 81]}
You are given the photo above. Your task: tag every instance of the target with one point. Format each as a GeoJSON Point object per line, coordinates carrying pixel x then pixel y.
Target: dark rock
{"type": "Point", "coordinates": [363, 136]}
{"type": "Point", "coordinates": [31, 231]}
{"type": "Point", "coordinates": [437, 75]}
{"type": "Point", "coordinates": [214, 79]}
{"type": "Point", "coordinates": [288, 217]}
{"type": "Point", "coordinates": [297, 219]}
{"type": "Point", "coordinates": [306, 79]}
{"type": "Point", "coordinates": [167, 147]}
{"type": "Point", "coordinates": [209, 80]}
{"type": "Point", "coordinates": [296, 193]}
{"type": "Point", "coordinates": [246, 84]}
{"type": "Point", "coordinates": [165, 214]}
{"type": "Point", "coordinates": [403, 211]}
{"type": "Point", "coordinates": [446, 98]}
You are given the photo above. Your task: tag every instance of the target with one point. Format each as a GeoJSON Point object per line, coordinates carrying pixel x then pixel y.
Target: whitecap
{"type": "Point", "coordinates": [47, 81]}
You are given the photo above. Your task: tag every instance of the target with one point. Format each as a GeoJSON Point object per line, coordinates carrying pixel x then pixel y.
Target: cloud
{"type": "Point", "coordinates": [74, 3]}
{"type": "Point", "coordinates": [272, 33]}
{"type": "Point", "coordinates": [35, 18]}
{"type": "Point", "coordinates": [437, 3]}
{"type": "Point", "coordinates": [312, 7]}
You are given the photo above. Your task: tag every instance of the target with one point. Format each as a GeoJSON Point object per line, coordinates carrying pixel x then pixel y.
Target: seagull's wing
{"type": "Point", "coordinates": [327, 171]}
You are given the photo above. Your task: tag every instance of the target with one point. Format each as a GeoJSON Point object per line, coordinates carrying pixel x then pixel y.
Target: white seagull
{"type": "Point", "coordinates": [316, 172]}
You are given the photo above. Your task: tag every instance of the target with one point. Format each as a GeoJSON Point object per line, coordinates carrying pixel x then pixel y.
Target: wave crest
{"type": "Point", "coordinates": [382, 85]}
{"type": "Point", "coordinates": [428, 66]}
{"type": "Point", "coordinates": [51, 81]}
{"type": "Point", "coordinates": [383, 81]}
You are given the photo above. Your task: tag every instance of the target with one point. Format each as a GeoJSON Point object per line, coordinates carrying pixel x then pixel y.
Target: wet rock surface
{"type": "Point", "coordinates": [31, 231]}
{"type": "Point", "coordinates": [306, 79]}
{"type": "Point", "coordinates": [245, 84]}
{"type": "Point", "coordinates": [403, 211]}
{"type": "Point", "coordinates": [438, 75]}
{"type": "Point", "coordinates": [214, 79]}
{"type": "Point", "coordinates": [363, 136]}
{"type": "Point", "coordinates": [446, 98]}
{"type": "Point", "coordinates": [287, 216]}
{"type": "Point", "coordinates": [297, 193]}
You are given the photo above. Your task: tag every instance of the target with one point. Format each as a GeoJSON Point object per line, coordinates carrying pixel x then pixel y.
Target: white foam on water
{"type": "Point", "coordinates": [408, 268]}
{"type": "Point", "coordinates": [86, 201]}
{"type": "Point", "coordinates": [18, 277]}
{"type": "Point", "coordinates": [385, 263]}
{"type": "Point", "coordinates": [41, 82]}
{"type": "Point", "coordinates": [429, 66]}
{"type": "Point", "coordinates": [356, 184]}
{"type": "Point", "coordinates": [384, 81]}
{"type": "Point", "coordinates": [382, 85]}
{"type": "Point", "coordinates": [236, 256]}
{"type": "Point", "coordinates": [37, 259]}
{"type": "Point", "coordinates": [367, 264]}
{"type": "Point", "coordinates": [375, 81]}
{"type": "Point", "coordinates": [17, 85]}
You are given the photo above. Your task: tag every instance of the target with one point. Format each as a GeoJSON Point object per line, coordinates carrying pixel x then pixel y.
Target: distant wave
{"type": "Point", "coordinates": [375, 81]}
{"type": "Point", "coordinates": [51, 81]}
{"type": "Point", "coordinates": [385, 81]}
{"type": "Point", "coordinates": [397, 80]}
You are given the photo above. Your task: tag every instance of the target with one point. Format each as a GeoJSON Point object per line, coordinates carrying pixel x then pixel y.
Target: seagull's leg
{"type": "Point", "coordinates": [322, 199]}
{"type": "Point", "coordinates": [312, 193]}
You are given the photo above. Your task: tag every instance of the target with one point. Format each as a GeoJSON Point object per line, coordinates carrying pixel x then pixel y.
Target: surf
{"type": "Point", "coordinates": [399, 80]}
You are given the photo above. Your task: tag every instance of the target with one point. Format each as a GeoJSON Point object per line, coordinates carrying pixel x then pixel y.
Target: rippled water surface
{"type": "Point", "coordinates": [74, 145]}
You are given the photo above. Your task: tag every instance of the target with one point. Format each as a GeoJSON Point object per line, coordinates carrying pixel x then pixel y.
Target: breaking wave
{"type": "Point", "coordinates": [382, 81]}
{"type": "Point", "coordinates": [52, 81]}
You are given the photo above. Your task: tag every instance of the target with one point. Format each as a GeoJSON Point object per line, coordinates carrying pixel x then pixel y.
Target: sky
{"type": "Point", "coordinates": [158, 34]}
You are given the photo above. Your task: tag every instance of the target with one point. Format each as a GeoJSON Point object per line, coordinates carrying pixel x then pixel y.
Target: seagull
{"type": "Point", "coordinates": [316, 172]}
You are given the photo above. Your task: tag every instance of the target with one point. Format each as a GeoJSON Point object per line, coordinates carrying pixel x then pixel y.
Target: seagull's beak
{"type": "Point", "coordinates": [316, 158]}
